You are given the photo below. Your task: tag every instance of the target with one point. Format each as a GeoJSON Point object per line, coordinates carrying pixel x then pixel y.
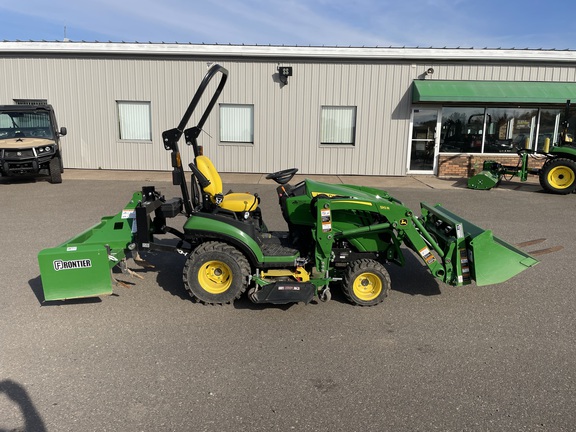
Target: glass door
{"type": "Point", "coordinates": [423, 141]}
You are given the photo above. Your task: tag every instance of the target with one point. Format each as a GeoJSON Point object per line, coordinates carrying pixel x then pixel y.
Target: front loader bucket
{"type": "Point", "coordinates": [81, 267]}
{"type": "Point", "coordinates": [494, 261]}
{"type": "Point", "coordinates": [474, 253]}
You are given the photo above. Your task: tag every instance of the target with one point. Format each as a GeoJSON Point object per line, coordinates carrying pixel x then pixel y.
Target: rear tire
{"type": "Point", "coordinates": [55, 170]}
{"type": "Point", "coordinates": [366, 282]}
{"type": "Point", "coordinates": [216, 273]}
{"type": "Point", "coordinates": [558, 176]}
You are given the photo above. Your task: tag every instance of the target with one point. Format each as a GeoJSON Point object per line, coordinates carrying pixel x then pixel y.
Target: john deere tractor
{"type": "Point", "coordinates": [336, 233]}
{"type": "Point", "coordinates": [558, 172]}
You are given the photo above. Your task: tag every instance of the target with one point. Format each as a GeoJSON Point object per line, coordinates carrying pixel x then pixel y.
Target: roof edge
{"type": "Point", "coordinates": [281, 51]}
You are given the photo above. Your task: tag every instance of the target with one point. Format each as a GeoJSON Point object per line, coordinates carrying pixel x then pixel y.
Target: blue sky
{"type": "Point", "coordinates": [424, 23]}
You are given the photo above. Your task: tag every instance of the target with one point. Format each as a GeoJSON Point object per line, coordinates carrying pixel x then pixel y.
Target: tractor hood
{"type": "Point", "coordinates": [314, 189]}
{"type": "Point", "coordinates": [22, 143]}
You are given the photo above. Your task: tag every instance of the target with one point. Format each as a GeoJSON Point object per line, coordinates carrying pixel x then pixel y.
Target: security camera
{"type": "Point", "coordinates": [429, 71]}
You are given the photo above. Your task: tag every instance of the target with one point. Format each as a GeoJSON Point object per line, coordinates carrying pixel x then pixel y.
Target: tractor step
{"type": "Point", "coordinates": [277, 244]}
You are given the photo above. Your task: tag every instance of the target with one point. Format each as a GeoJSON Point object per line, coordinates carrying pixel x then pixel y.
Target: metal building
{"type": "Point", "coordinates": [325, 110]}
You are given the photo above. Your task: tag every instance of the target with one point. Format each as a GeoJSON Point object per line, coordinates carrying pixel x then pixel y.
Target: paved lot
{"type": "Point", "coordinates": [431, 357]}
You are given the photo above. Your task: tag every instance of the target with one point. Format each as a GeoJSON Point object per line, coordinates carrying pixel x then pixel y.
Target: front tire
{"type": "Point", "coordinates": [558, 176]}
{"type": "Point", "coordinates": [216, 273]}
{"type": "Point", "coordinates": [55, 170]}
{"type": "Point", "coordinates": [366, 282]}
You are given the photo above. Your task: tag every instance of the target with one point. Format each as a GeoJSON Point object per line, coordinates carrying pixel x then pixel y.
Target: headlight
{"type": "Point", "coordinates": [46, 149]}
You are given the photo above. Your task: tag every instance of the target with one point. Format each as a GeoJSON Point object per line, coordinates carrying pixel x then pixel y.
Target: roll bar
{"type": "Point", "coordinates": [171, 137]}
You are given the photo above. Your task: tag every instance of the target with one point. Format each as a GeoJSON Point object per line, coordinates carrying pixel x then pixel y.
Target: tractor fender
{"type": "Point", "coordinates": [565, 151]}
{"type": "Point", "coordinates": [202, 226]}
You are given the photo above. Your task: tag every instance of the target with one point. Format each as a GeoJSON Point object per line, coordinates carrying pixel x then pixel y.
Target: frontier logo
{"type": "Point", "coordinates": [72, 264]}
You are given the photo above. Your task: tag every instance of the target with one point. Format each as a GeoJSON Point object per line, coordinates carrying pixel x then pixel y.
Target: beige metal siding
{"type": "Point", "coordinates": [287, 118]}
{"type": "Point", "coordinates": [84, 91]}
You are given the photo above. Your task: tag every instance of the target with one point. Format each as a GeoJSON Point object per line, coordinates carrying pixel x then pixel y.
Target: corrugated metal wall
{"type": "Point", "coordinates": [84, 91]}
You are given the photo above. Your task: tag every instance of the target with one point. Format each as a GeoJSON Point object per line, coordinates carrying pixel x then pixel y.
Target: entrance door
{"type": "Point", "coordinates": [423, 141]}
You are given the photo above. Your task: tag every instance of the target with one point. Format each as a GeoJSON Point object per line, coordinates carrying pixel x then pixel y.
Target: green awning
{"type": "Point", "coordinates": [493, 91]}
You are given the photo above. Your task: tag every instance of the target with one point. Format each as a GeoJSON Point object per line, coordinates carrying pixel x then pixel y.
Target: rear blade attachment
{"type": "Point", "coordinates": [472, 253]}
{"type": "Point", "coordinates": [81, 267]}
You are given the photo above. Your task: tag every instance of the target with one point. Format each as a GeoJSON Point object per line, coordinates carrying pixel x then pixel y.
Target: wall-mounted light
{"type": "Point", "coordinates": [429, 71]}
{"type": "Point", "coordinates": [283, 73]}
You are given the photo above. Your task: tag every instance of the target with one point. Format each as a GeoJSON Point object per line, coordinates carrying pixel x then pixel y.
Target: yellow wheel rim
{"type": "Point", "coordinates": [561, 177]}
{"type": "Point", "coordinates": [215, 277]}
{"type": "Point", "coordinates": [367, 286]}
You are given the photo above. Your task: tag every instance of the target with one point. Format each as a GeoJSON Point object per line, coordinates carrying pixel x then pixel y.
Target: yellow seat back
{"type": "Point", "coordinates": [208, 170]}
{"type": "Point", "coordinates": [236, 202]}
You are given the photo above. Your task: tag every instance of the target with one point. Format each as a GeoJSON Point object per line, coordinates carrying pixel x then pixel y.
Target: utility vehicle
{"type": "Point", "coordinates": [30, 141]}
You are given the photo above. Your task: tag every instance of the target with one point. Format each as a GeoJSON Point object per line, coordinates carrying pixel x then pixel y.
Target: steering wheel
{"type": "Point", "coordinates": [282, 177]}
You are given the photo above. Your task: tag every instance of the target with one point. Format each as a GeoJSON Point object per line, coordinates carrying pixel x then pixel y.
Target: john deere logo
{"type": "Point", "coordinates": [72, 264]}
{"type": "Point", "coordinates": [403, 222]}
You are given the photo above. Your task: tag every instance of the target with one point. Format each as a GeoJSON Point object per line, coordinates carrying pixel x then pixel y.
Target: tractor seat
{"type": "Point", "coordinates": [236, 202]}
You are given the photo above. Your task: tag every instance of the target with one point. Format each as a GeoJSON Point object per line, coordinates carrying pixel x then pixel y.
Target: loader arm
{"type": "Point", "coordinates": [455, 251]}
{"type": "Point", "coordinates": [398, 222]}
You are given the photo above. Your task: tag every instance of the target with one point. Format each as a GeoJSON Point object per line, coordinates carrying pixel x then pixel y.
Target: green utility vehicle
{"type": "Point", "coordinates": [336, 233]}
{"type": "Point", "coordinates": [558, 172]}
{"type": "Point", "coordinates": [30, 141]}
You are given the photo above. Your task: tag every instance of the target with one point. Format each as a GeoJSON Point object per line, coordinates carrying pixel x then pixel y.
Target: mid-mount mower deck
{"type": "Point", "coordinates": [335, 233]}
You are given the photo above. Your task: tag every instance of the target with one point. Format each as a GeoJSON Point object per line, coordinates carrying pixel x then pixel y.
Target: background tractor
{"type": "Point", "coordinates": [336, 233]}
{"type": "Point", "coordinates": [557, 175]}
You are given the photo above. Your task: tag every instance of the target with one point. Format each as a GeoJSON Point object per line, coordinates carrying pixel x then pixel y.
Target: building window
{"type": "Point", "coordinates": [338, 125]}
{"type": "Point", "coordinates": [237, 123]}
{"type": "Point", "coordinates": [462, 130]}
{"type": "Point", "coordinates": [497, 130]}
{"type": "Point", "coordinates": [134, 120]}
{"type": "Point", "coordinates": [509, 129]}
{"type": "Point", "coordinates": [549, 127]}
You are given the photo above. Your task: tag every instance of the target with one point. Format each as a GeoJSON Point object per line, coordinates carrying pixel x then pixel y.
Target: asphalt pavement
{"type": "Point", "coordinates": [147, 358]}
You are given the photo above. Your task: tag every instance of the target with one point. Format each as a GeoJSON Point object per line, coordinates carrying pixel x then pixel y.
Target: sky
{"type": "Point", "coordinates": [516, 24]}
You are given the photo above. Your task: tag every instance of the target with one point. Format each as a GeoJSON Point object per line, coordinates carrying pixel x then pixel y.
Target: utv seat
{"type": "Point", "coordinates": [235, 202]}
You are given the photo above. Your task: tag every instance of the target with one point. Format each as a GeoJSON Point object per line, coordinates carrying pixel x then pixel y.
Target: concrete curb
{"type": "Point", "coordinates": [383, 182]}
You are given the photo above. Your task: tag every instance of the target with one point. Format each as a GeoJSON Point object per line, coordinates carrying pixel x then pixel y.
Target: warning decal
{"type": "Point", "coordinates": [427, 255]}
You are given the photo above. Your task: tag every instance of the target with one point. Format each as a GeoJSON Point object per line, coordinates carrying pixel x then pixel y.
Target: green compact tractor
{"type": "Point", "coordinates": [557, 175]}
{"type": "Point", "coordinates": [336, 233]}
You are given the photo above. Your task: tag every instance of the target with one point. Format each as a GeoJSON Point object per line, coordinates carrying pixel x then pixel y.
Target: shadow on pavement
{"type": "Point", "coordinates": [18, 395]}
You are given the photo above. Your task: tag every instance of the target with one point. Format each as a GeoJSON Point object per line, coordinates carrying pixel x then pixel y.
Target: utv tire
{"type": "Point", "coordinates": [55, 170]}
{"type": "Point", "coordinates": [366, 282]}
{"type": "Point", "coordinates": [216, 273]}
{"type": "Point", "coordinates": [558, 176]}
